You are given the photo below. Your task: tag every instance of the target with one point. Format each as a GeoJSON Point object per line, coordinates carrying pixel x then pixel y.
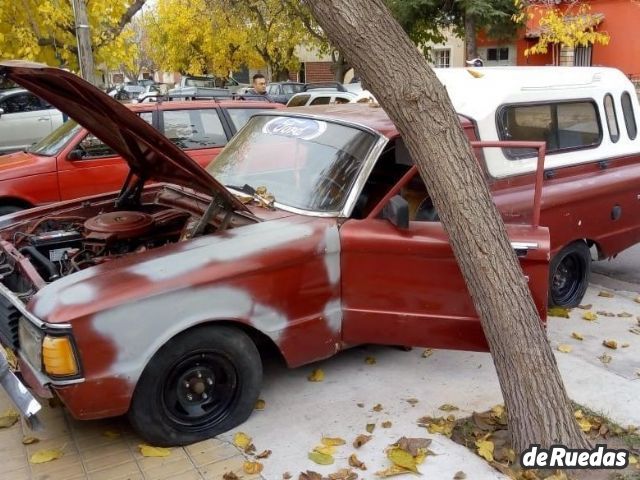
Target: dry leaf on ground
{"type": "Point", "coordinates": [485, 449]}
{"type": "Point", "coordinates": [370, 361]}
{"type": "Point", "coordinates": [241, 440]}
{"type": "Point", "coordinates": [9, 418]}
{"type": "Point", "coordinates": [413, 445]}
{"type": "Point", "coordinates": [624, 345]}
{"type": "Point", "coordinates": [392, 471]}
{"type": "Point", "coordinates": [625, 315]}
{"type": "Point", "coordinates": [460, 475]}
{"type": "Point", "coordinates": [558, 312]}
{"type": "Point", "coordinates": [438, 425]}
{"type": "Point", "coordinates": [44, 456]}
{"type": "Point", "coordinates": [325, 449]}
{"type": "Point", "coordinates": [589, 316]}
{"type": "Point", "coordinates": [606, 294]}
{"type": "Point", "coordinates": [377, 407]}
{"type": "Point", "coordinates": [252, 468]}
{"type": "Point", "coordinates": [111, 434]}
{"type": "Point", "coordinates": [402, 458]}
{"type": "Point", "coordinates": [635, 330]}
{"type": "Point", "coordinates": [230, 476]}
{"type": "Point", "coordinates": [604, 358]}
{"type": "Point", "coordinates": [427, 353]}
{"type": "Point", "coordinates": [585, 307]}
{"type": "Point", "coordinates": [412, 401]}
{"type": "Point", "coordinates": [310, 475]}
{"type": "Point", "coordinates": [286, 476]}
{"type": "Point", "coordinates": [612, 344]}
{"type": "Point", "coordinates": [361, 440]}
{"type": "Point", "coordinates": [343, 474]}
{"type": "Point", "coordinates": [356, 463]}
{"type": "Point", "coordinates": [264, 454]}
{"type": "Point", "coordinates": [370, 427]}
{"type": "Point", "coordinates": [332, 441]}
{"type": "Point", "coordinates": [577, 336]}
{"type": "Point", "coordinates": [320, 458]}
{"type": "Point", "coordinates": [360, 405]}
{"type": "Point", "coordinates": [386, 424]}
{"type": "Point", "coordinates": [565, 348]}
{"type": "Point", "coordinates": [447, 407]}
{"type": "Point", "coordinates": [316, 376]}
{"type": "Point", "coordinates": [30, 440]}
{"type": "Point", "coordinates": [149, 451]}
{"type": "Point", "coordinates": [260, 404]}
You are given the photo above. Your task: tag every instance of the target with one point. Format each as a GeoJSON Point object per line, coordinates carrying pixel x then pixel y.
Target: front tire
{"type": "Point", "coordinates": [569, 274]}
{"type": "Point", "coordinates": [200, 384]}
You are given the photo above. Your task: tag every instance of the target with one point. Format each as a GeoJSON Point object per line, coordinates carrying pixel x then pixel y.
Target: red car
{"type": "Point", "coordinates": [155, 301]}
{"type": "Point", "coordinates": [71, 162]}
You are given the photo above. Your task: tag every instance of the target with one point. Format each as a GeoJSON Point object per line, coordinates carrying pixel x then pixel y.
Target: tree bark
{"type": "Point", "coordinates": [470, 45]}
{"type": "Point", "coordinates": [400, 78]}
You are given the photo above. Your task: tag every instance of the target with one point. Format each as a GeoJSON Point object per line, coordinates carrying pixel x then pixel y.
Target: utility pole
{"type": "Point", "coordinates": [83, 36]}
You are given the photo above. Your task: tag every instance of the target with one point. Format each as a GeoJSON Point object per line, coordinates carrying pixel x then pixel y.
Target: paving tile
{"type": "Point", "coordinates": [63, 468]}
{"type": "Point", "coordinates": [13, 460]}
{"type": "Point", "coordinates": [64, 443]}
{"type": "Point", "coordinates": [169, 470]}
{"type": "Point", "coordinates": [177, 454]}
{"type": "Point", "coordinates": [215, 471]}
{"type": "Point", "coordinates": [205, 454]}
{"type": "Point", "coordinates": [102, 457]}
{"type": "Point", "coordinates": [20, 474]}
{"type": "Point", "coordinates": [191, 475]}
{"type": "Point", "coordinates": [128, 470]}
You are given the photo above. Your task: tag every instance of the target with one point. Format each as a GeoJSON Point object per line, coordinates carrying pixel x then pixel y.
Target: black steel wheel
{"type": "Point", "coordinates": [569, 274]}
{"type": "Point", "coordinates": [200, 384]}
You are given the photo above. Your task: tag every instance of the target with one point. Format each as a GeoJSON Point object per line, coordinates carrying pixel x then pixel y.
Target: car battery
{"type": "Point", "coordinates": [56, 243]}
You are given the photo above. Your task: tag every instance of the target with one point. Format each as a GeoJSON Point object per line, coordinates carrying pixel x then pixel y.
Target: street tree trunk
{"type": "Point", "coordinates": [538, 407]}
{"type": "Point", "coordinates": [85, 53]}
{"type": "Point", "coordinates": [470, 45]}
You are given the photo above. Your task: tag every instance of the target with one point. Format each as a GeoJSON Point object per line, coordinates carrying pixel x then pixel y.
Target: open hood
{"type": "Point", "coordinates": [150, 155]}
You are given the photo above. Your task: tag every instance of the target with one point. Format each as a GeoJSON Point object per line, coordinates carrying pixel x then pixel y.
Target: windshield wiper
{"type": "Point", "coordinates": [260, 194]}
{"type": "Point", "coordinates": [246, 188]}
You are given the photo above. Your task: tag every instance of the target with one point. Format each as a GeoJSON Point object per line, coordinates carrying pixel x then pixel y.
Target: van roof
{"type": "Point", "coordinates": [476, 92]}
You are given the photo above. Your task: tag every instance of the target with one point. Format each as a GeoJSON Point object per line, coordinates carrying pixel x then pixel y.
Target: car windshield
{"type": "Point", "coordinates": [304, 163]}
{"type": "Point", "coordinates": [53, 143]}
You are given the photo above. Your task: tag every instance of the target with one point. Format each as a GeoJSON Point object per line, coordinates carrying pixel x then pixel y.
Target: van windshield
{"type": "Point", "coordinates": [52, 144]}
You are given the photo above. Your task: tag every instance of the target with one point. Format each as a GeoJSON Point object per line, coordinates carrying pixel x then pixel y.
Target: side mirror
{"type": "Point", "coordinates": [76, 154]}
{"type": "Point", "coordinates": [397, 212]}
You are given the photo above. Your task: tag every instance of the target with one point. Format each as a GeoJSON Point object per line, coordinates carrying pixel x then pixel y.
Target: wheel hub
{"type": "Point", "coordinates": [197, 385]}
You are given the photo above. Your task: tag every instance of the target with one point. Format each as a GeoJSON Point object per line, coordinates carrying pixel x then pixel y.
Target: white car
{"type": "Point", "coordinates": [320, 97]}
{"type": "Point", "coordinates": [24, 119]}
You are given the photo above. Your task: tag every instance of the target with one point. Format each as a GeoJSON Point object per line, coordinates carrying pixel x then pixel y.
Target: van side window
{"type": "Point", "coordinates": [629, 118]}
{"type": "Point", "coordinates": [562, 125]}
{"type": "Point", "coordinates": [612, 119]}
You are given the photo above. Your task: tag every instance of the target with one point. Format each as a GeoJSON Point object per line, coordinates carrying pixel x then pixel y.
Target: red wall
{"type": "Point", "coordinates": [318, 72]}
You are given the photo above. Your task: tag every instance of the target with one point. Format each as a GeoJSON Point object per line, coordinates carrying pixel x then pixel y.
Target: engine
{"type": "Point", "coordinates": [59, 246]}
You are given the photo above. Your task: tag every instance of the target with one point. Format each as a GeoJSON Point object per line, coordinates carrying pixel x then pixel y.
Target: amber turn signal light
{"type": "Point", "coordinates": [58, 357]}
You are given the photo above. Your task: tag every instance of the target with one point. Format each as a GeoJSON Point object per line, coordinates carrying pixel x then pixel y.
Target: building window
{"type": "Point", "coordinates": [442, 58]}
{"type": "Point", "coordinates": [582, 56]}
{"type": "Point", "coordinates": [498, 54]}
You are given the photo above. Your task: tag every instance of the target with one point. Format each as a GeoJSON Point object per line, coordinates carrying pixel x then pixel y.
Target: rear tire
{"type": "Point", "coordinates": [569, 274]}
{"type": "Point", "coordinates": [200, 384]}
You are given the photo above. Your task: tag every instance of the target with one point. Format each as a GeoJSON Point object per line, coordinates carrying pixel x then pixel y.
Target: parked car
{"type": "Point", "coordinates": [71, 162]}
{"type": "Point", "coordinates": [154, 301]}
{"type": "Point", "coordinates": [24, 119]}
{"type": "Point", "coordinates": [126, 92]}
{"type": "Point", "coordinates": [320, 97]}
{"type": "Point", "coordinates": [281, 92]}
{"type": "Point", "coordinates": [152, 92]}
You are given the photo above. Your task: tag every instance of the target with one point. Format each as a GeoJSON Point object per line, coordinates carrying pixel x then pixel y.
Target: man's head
{"type": "Point", "coordinates": [259, 83]}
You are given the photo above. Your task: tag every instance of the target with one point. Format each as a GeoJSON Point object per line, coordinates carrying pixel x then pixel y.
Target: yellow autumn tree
{"type": "Point", "coordinates": [44, 31]}
{"type": "Point", "coordinates": [573, 27]}
{"type": "Point", "coordinates": [216, 36]}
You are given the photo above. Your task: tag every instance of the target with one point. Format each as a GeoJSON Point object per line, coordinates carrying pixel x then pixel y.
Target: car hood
{"type": "Point", "coordinates": [150, 154]}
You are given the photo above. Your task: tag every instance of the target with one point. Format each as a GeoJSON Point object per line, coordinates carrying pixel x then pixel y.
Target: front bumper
{"type": "Point", "coordinates": [19, 395]}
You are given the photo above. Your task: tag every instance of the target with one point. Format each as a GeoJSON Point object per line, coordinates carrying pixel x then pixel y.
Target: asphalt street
{"type": "Point", "coordinates": [625, 267]}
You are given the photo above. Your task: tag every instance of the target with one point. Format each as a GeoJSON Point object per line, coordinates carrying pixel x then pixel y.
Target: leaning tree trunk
{"type": "Point", "coordinates": [538, 407]}
{"type": "Point", "coordinates": [470, 45]}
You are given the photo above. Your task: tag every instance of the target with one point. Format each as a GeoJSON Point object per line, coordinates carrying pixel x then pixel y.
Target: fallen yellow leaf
{"type": "Point", "coordinates": [441, 425]}
{"type": "Point", "coordinates": [485, 449]}
{"type": "Point", "coordinates": [370, 361]}
{"type": "Point", "coordinates": [9, 418]}
{"type": "Point", "coordinates": [447, 407]}
{"type": "Point", "coordinates": [558, 312]}
{"type": "Point", "coordinates": [325, 449]}
{"type": "Point", "coordinates": [497, 411]}
{"type": "Point", "coordinates": [392, 471]}
{"type": "Point", "coordinates": [111, 434]}
{"type": "Point", "coordinates": [260, 404]}
{"type": "Point", "coordinates": [316, 376]}
{"type": "Point", "coordinates": [241, 440]}
{"type": "Point", "coordinates": [577, 336]}
{"type": "Point", "coordinates": [12, 360]}
{"type": "Point", "coordinates": [427, 353]}
{"type": "Point", "coordinates": [565, 348]}
{"type": "Point", "coordinates": [332, 441]}
{"type": "Point", "coordinates": [252, 468]}
{"type": "Point", "coordinates": [632, 460]}
{"type": "Point", "coordinates": [402, 458]}
{"type": "Point", "coordinates": [370, 427]}
{"type": "Point", "coordinates": [377, 407]}
{"type": "Point", "coordinates": [585, 424]}
{"type": "Point", "coordinates": [320, 458]}
{"type": "Point", "coordinates": [30, 440]}
{"type": "Point", "coordinates": [386, 424]}
{"type": "Point", "coordinates": [606, 294]}
{"type": "Point", "coordinates": [149, 451]}
{"type": "Point", "coordinates": [44, 456]}
{"type": "Point", "coordinates": [612, 344]}
{"type": "Point", "coordinates": [589, 316]}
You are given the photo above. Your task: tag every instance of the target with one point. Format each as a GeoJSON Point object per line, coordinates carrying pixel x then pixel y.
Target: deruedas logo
{"type": "Point", "coordinates": [559, 456]}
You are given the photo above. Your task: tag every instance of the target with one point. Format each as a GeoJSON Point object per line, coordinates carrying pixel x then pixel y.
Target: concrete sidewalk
{"type": "Point", "coordinates": [298, 412]}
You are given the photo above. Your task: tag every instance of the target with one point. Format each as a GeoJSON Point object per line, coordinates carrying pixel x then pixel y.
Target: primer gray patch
{"type": "Point", "coordinates": [78, 294]}
{"type": "Point", "coordinates": [139, 329]}
{"type": "Point", "coordinates": [333, 315]}
{"type": "Point", "coordinates": [332, 254]}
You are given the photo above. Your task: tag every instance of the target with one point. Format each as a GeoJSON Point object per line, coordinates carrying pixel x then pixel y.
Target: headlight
{"type": "Point", "coordinates": [58, 356]}
{"type": "Point", "coordinates": [30, 338]}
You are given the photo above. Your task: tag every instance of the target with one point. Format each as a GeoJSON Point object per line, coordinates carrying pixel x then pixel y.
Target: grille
{"type": "Point", "coordinates": [9, 317]}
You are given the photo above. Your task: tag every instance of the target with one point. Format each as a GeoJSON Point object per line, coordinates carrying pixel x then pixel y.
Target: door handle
{"type": "Point", "coordinates": [43, 119]}
{"type": "Point", "coordinates": [522, 248]}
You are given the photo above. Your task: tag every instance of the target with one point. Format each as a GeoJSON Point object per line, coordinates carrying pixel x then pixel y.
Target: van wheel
{"type": "Point", "coordinates": [569, 275]}
{"type": "Point", "coordinates": [201, 383]}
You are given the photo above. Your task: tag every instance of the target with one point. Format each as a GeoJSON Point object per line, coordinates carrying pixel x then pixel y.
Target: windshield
{"type": "Point", "coordinates": [304, 163]}
{"type": "Point", "coordinates": [53, 143]}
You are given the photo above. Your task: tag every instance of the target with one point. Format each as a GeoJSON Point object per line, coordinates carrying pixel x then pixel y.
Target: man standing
{"type": "Point", "coordinates": [259, 85]}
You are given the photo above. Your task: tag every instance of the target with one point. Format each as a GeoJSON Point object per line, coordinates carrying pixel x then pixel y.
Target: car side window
{"type": "Point", "coordinates": [612, 119]}
{"type": "Point", "coordinates": [320, 101]}
{"type": "Point", "coordinates": [22, 102]}
{"type": "Point", "coordinates": [92, 147]}
{"type": "Point", "coordinates": [629, 118]}
{"type": "Point", "coordinates": [197, 128]}
{"type": "Point", "coordinates": [240, 116]}
{"type": "Point", "coordinates": [298, 101]}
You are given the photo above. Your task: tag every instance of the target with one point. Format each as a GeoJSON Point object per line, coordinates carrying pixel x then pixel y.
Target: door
{"type": "Point", "coordinates": [90, 167]}
{"type": "Point", "coordinates": [24, 121]}
{"type": "Point", "coordinates": [403, 286]}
